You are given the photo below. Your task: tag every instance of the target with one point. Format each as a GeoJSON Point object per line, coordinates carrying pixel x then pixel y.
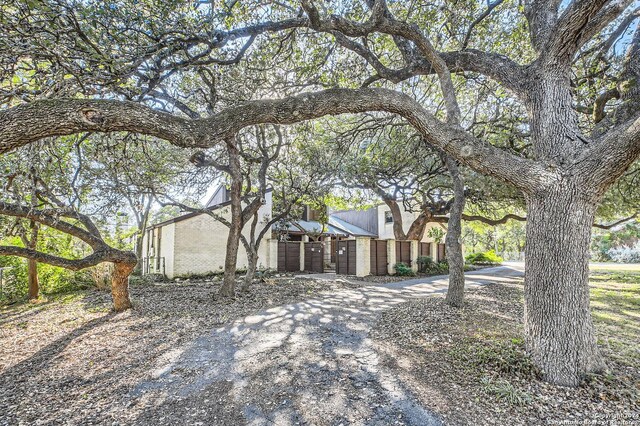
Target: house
{"type": "Point", "coordinates": [357, 242]}
{"type": "Point", "coordinates": [339, 234]}
{"type": "Point", "coordinates": [195, 243]}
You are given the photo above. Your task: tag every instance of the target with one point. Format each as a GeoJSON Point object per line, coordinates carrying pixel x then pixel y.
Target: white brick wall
{"type": "Point", "coordinates": [197, 245]}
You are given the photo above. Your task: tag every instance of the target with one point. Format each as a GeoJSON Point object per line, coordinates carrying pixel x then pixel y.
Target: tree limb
{"type": "Point", "coordinates": [30, 122]}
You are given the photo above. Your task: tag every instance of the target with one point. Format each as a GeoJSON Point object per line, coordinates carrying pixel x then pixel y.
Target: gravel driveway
{"type": "Point", "coordinates": [305, 363]}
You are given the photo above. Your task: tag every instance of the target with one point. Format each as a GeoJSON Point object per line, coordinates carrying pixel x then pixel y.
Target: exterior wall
{"type": "Point", "coordinates": [197, 245]}
{"type": "Point", "coordinates": [363, 256]}
{"type": "Point", "coordinates": [164, 237]}
{"type": "Point", "coordinates": [391, 257]}
{"type": "Point", "coordinates": [365, 219]}
{"type": "Point", "coordinates": [272, 257]}
{"type": "Point", "coordinates": [414, 255]}
{"type": "Point", "coordinates": [220, 196]}
{"type": "Point", "coordinates": [167, 249]}
{"type": "Point", "coordinates": [386, 229]}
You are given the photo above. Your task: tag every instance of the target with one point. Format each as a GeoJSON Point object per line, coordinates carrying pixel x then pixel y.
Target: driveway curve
{"type": "Point", "coordinates": [306, 363]}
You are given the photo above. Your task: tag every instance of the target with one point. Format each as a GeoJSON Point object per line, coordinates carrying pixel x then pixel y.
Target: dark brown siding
{"type": "Point", "coordinates": [314, 257]}
{"type": "Point", "coordinates": [288, 257]}
{"type": "Point", "coordinates": [346, 257]}
{"type": "Point", "coordinates": [333, 249]}
{"type": "Point", "coordinates": [403, 252]}
{"type": "Point", "coordinates": [425, 249]}
{"type": "Point", "coordinates": [442, 252]}
{"type": "Point", "coordinates": [379, 262]}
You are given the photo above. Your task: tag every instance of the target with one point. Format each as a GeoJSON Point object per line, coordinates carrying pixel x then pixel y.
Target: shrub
{"type": "Point", "coordinates": [53, 280]}
{"type": "Point", "coordinates": [484, 258]}
{"type": "Point", "coordinates": [403, 270]}
{"type": "Point", "coordinates": [426, 264]}
{"type": "Point", "coordinates": [14, 279]}
{"type": "Point", "coordinates": [625, 254]}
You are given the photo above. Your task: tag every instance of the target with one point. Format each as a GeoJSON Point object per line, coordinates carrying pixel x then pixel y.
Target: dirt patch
{"type": "Point", "coordinates": [470, 366]}
{"type": "Point", "coordinates": [72, 358]}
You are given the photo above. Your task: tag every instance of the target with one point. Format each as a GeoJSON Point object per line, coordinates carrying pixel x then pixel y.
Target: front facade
{"type": "Point", "coordinates": [195, 243]}
{"type": "Point", "coordinates": [378, 221]}
{"type": "Point", "coordinates": [363, 240]}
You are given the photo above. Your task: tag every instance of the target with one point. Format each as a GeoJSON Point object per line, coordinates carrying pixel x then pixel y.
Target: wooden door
{"type": "Point", "coordinates": [403, 252]}
{"type": "Point", "coordinates": [346, 257]}
{"type": "Point", "coordinates": [288, 256]}
{"type": "Point", "coordinates": [314, 257]}
{"type": "Point", "coordinates": [379, 262]}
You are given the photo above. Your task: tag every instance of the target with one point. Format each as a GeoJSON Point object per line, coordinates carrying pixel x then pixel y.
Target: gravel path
{"type": "Point", "coordinates": [305, 363]}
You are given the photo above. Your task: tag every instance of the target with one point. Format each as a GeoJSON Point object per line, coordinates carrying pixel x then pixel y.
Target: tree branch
{"type": "Point", "coordinates": [479, 19]}
{"type": "Point", "coordinates": [578, 24]}
{"type": "Point", "coordinates": [30, 122]}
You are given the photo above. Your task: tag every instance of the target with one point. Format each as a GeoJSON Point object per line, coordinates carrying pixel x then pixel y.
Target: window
{"type": "Point", "coordinates": [388, 217]}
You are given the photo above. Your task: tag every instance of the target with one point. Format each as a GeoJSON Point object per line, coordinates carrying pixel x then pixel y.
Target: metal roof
{"type": "Point", "coordinates": [349, 228]}
{"type": "Point", "coordinates": [312, 226]}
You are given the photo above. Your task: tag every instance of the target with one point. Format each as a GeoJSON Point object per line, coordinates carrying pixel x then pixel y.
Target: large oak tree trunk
{"type": "Point", "coordinates": [34, 285]}
{"type": "Point", "coordinates": [559, 330]}
{"type": "Point", "coordinates": [120, 286]}
{"type": "Point", "coordinates": [455, 292]}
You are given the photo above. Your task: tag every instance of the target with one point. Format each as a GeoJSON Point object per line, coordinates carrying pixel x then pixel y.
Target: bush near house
{"type": "Point", "coordinates": [427, 265]}
{"type": "Point", "coordinates": [403, 270]}
{"type": "Point", "coordinates": [484, 258]}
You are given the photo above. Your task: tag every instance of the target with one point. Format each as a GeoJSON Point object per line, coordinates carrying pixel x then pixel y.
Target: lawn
{"type": "Point", "coordinates": [470, 365]}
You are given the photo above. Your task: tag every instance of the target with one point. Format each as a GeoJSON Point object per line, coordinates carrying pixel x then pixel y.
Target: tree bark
{"type": "Point", "coordinates": [34, 285]}
{"type": "Point", "coordinates": [120, 286]}
{"type": "Point", "coordinates": [230, 261]}
{"type": "Point", "coordinates": [418, 226]}
{"type": "Point", "coordinates": [559, 330]}
{"type": "Point", "coordinates": [252, 266]}
{"type": "Point", "coordinates": [455, 292]}
{"type": "Point", "coordinates": [138, 250]}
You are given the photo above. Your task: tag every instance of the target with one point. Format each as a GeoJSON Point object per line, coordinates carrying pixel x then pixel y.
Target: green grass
{"type": "Point", "coordinates": [615, 305]}
{"type": "Point", "coordinates": [493, 350]}
{"type": "Point", "coordinates": [615, 267]}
